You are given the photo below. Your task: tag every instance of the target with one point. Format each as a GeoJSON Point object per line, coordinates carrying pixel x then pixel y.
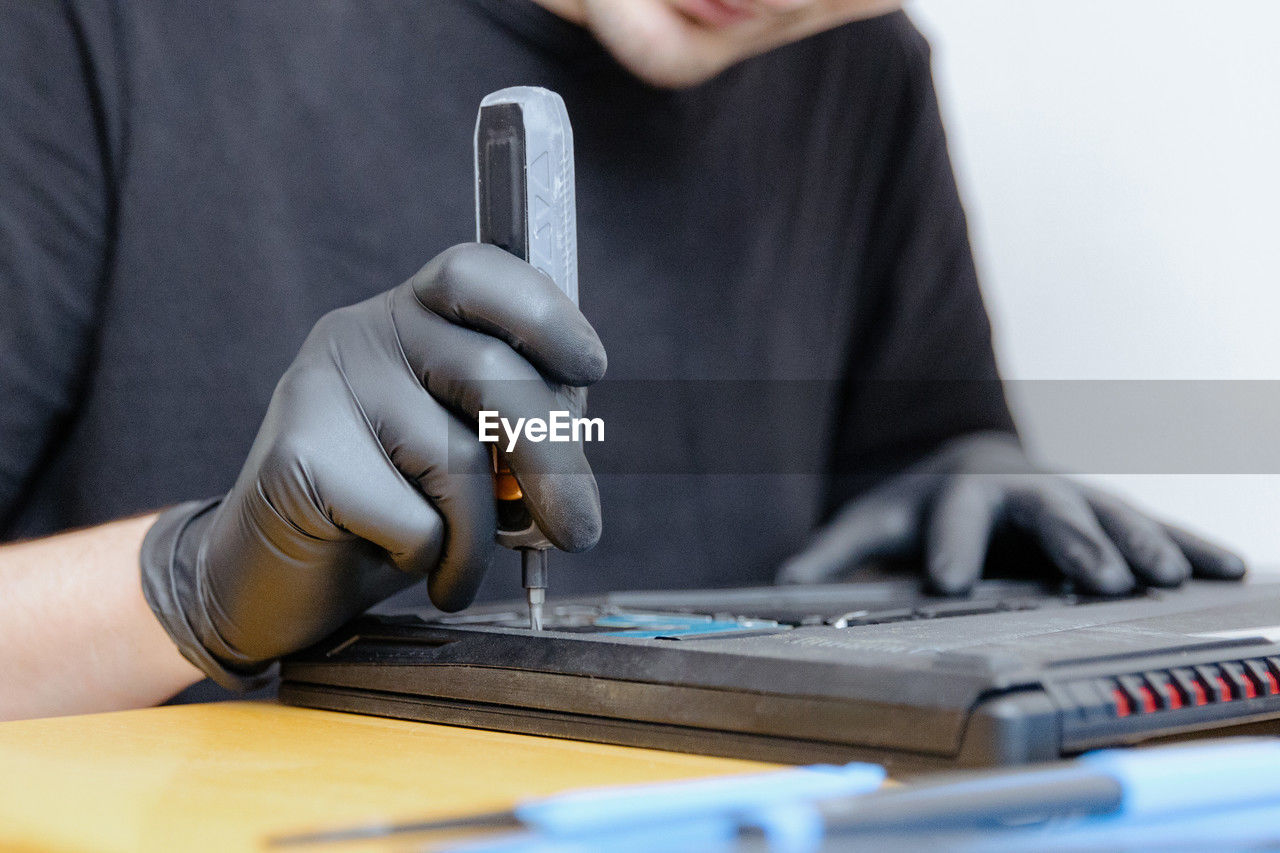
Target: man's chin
{"type": "Point", "coordinates": [656, 43]}
{"type": "Point", "coordinates": [675, 49]}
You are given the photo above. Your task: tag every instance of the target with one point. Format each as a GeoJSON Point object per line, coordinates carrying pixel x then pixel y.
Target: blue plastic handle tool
{"type": "Point", "coordinates": [1230, 772]}
{"type": "Point", "coordinates": [1225, 789]}
{"type": "Point", "coordinates": [718, 834]}
{"type": "Point", "coordinates": [584, 812]}
{"type": "Point", "coordinates": [1256, 827]}
{"type": "Point", "coordinates": [701, 816]}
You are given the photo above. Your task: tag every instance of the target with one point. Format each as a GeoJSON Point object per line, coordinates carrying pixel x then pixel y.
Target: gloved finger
{"type": "Point", "coordinates": [1151, 553]}
{"type": "Point", "coordinates": [1070, 535]}
{"type": "Point", "coordinates": [470, 372]}
{"type": "Point", "coordinates": [442, 456]}
{"type": "Point", "coordinates": [958, 532]}
{"type": "Point", "coordinates": [492, 291]}
{"type": "Point", "coordinates": [426, 444]}
{"type": "Point", "coordinates": [1208, 559]}
{"type": "Point", "coordinates": [365, 495]}
{"type": "Point", "coordinates": [883, 523]}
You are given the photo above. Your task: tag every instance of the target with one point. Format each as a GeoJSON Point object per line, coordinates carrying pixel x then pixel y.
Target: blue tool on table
{"type": "Point", "coordinates": [1018, 809]}
{"type": "Point", "coordinates": [1207, 789]}
{"type": "Point", "coordinates": [1134, 783]}
{"type": "Point", "coordinates": [677, 807]}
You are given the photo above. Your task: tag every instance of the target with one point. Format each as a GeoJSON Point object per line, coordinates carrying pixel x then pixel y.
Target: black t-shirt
{"type": "Point", "coordinates": [776, 261]}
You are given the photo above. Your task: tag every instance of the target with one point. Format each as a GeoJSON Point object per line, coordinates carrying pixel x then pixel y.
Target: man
{"type": "Point", "coordinates": [772, 253]}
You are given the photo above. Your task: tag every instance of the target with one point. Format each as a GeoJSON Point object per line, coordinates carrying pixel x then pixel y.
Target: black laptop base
{"type": "Point", "coordinates": [864, 671]}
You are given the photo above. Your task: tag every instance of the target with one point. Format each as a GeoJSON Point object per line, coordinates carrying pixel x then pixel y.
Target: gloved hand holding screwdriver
{"type": "Point", "coordinates": [367, 474]}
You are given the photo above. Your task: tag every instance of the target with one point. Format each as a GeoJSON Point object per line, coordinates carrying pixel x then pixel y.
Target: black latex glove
{"type": "Point", "coordinates": [367, 474]}
{"type": "Point", "coordinates": [947, 508]}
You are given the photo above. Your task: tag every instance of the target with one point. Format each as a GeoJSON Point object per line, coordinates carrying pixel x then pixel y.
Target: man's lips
{"type": "Point", "coordinates": [715, 13]}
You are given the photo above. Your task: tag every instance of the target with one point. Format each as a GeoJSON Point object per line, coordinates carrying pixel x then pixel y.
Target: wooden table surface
{"type": "Point", "coordinates": [228, 776]}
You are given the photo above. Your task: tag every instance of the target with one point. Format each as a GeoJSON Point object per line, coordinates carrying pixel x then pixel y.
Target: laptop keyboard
{"type": "Point", "coordinates": [676, 615]}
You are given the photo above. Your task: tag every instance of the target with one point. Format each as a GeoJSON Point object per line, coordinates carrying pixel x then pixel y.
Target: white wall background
{"type": "Point", "coordinates": [1120, 161]}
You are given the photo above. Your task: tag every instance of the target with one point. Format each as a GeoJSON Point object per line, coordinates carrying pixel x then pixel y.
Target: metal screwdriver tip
{"type": "Point", "coordinates": [536, 597]}
{"type": "Point", "coordinates": [533, 565]}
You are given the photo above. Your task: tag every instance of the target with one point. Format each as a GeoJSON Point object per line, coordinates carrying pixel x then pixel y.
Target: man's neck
{"type": "Point", "coordinates": [570, 10]}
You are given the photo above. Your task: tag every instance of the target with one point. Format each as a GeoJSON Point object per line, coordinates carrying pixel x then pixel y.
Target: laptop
{"type": "Point", "coordinates": [878, 671]}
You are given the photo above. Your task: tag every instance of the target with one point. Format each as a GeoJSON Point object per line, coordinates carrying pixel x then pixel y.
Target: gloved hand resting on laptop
{"type": "Point", "coordinates": [946, 509]}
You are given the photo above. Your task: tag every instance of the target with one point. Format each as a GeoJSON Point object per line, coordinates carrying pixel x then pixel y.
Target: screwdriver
{"type": "Point", "coordinates": [525, 205]}
{"type": "Point", "coordinates": [616, 809]}
{"type": "Point", "coordinates": [1193, 794]}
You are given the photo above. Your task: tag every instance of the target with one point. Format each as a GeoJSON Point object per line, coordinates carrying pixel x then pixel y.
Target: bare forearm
{"type": "Point", "coordinates": [76, 634]}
